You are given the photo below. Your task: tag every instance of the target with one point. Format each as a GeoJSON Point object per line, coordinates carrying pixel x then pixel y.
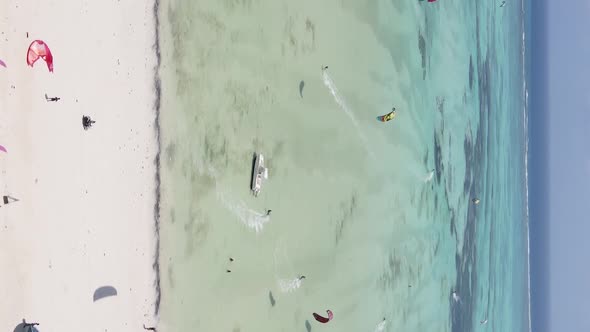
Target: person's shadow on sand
{"type": "Point", "coordinates": [20, 327]}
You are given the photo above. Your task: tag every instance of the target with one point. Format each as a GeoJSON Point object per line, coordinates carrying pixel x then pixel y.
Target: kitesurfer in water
{"type": "Point", "coordinates": [475, 201]}
{"type": "Point", "coordinates": [388, 116]}
{"type": "Point", "coordinates": [268, 212]}
{"type": "Point", "coordinates": [324, 67]}
{"type": "Point", "coordinates": [322, 319]}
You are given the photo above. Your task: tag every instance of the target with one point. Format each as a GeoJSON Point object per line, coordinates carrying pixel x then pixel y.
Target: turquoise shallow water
{"type": "Point", "coordinates": [356, 208]}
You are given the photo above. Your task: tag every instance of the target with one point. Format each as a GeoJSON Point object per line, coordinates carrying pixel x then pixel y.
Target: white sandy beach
{"type": "Point", "coordinates": [85, 215]}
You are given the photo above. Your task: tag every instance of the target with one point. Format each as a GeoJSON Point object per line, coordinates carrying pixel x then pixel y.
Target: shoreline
{"type": "Point", "coordinates": [157, 104]}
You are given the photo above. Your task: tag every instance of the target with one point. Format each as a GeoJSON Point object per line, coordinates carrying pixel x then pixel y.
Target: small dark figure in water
{"type": "Point", "coordinates": [228, 271]}
{"type": "Point", "coordinates": [51, 98]}
{"type": "Point", "coordinates": [231, 259]}
{"type": "Point", "coordinates": [301, 85]}
{"type": "Point", "coordinates": [302, 277]}
{"type": "Point", "coordinates": [149, 328]}
{"type": "Point", "coordinates": [87, 122]}
{"type": "Point", "coordinates": [324, 67]}
{"type": "Point", "coordinates": [268, 212]}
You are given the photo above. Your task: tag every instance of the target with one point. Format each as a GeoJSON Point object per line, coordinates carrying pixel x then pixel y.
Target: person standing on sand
{"type": "Point", "coordinates": [51, 98]}
{"type": "Point", "coordinates": [87, 122]}
{"type": "Point", "coordinates": [29, 325]}
{"type": "Point", "coordinates": [149, 328]}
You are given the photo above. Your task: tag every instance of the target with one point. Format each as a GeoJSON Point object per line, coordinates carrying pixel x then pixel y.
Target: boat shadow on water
{"type": "Point", "coordinates": [252, 170]}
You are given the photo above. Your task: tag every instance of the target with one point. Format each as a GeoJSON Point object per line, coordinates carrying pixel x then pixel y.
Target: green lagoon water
{"type": "Point", "coordinates": [355, 205]}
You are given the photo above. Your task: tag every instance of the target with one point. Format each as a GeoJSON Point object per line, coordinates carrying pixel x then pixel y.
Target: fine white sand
{"type": "Point", "coordinates": [85, 215]}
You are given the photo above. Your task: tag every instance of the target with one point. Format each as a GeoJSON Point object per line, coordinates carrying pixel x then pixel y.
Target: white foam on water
{"type": "Point", "coordinates": [289, 285]}
{"type": "Point", "coordinates": [429, 177]}
{"type": "Point", "coordinates": [340, 101]}
{"type": "Point", "coordinates": [381, 326]}
{"type": "Point", "coordinates": [252, 219]}
{"type": "Point", "coordinates": [526, 153]}
{"type": "Point", "coordinates": [286, 285]}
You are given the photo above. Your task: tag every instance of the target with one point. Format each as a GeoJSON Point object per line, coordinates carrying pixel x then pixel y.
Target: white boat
{"type": "Point", "coordinates": [259, 173]}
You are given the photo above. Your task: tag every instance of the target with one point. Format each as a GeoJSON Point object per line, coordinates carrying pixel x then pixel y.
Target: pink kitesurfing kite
{"type": "Point", "coordinates": [38, 49]}
{"type": "Point", "coordinates": [322, 319]}
{"type": "Point", "coordinates": [2, 64]}
{"type": "Point", "coordinates": [3, 148]}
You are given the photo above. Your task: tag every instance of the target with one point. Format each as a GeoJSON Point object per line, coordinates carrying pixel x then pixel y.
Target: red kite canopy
{"type": "Point", "coordinates": [322, 319]}
{"type": "Point", "coordinates": [2, 64]}
{"type": "Point", "coordinates": [38, 49]}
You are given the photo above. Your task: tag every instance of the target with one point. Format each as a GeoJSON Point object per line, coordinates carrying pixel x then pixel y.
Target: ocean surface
{"type": "Point", "coordinates": [377, 216]}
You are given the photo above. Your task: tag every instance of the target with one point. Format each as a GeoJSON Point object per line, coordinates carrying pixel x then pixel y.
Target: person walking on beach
{"type": "Point", "coordinates": [29, 325]}
{"type": "Point", "coordinates": [51, 98]}
{"type": "Point", "coordinates": [149, 328]}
